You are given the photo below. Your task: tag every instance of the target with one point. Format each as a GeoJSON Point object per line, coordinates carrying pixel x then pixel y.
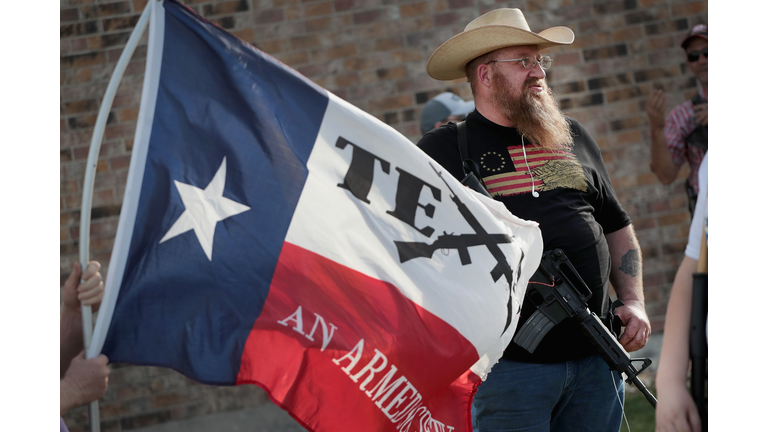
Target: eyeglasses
{"type": "Point", "coordinates": [694, 55]}
{"type": "Point", "coordinates": [529, 62]}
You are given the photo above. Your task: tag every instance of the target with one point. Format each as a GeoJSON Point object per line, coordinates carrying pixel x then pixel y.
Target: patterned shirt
{"type": "Point", "coordinates": [680, 123]}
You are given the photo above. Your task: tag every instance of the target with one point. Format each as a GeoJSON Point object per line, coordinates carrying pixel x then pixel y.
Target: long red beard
{"type": "Point", "coordinates": [536, 116]}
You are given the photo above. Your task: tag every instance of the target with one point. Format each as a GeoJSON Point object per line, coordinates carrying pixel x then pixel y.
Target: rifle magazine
{"type": "Point", "coordinates": [533, 331]}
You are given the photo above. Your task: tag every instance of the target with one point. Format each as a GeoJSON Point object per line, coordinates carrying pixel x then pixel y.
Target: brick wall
{"type": "Point", "coordinates": [373, 54]}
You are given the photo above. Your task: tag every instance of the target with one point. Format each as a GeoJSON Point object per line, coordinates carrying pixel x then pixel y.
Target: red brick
{"type": "Point", "coordinates": [346, 80]}
{"type": "Point", "coordinates": [78, 29]}
{"type": "Point", "coordinates": [411, 26]}
{"type": "Point", "coordinates": [83, 60]}
{"type": "Point", "coordinates": [268, 16]}
{"type": "Point", "coordinates": [294, 58]}
{"type": "Point", "coordinates": [130, 114]}
{"type": "Point", "coordinates": [408, 10]}
{"type": "Point", "coordinates": [332, 53]}
{"type": "Point", "coordinates": [79, 107]}
{"type": "Point", "coordinates": [121, 162]}
{"type": "Point", "coordinates": [304, 42]}
{"type": "Point", "coordinates": [369, 16]}
{"type": "Point", "coordinates": [390, 103]}
{"type": "Point", "coordinates": [660, 206]}
{"type": "Point", "coordinates": [407, 55]}
{"type": "Point", "coordinates": [689, 9]}
{"type": "Point", "coordinates": [193, 409]}
{"type": "Point", "coordinates": [317, 9]}
{"type": "Point", "coordinates": [343, 5]}
{"type": "Point", "coordinates": [672, 219]}
{"type": "Point", "coordinates": [247, 34]}
{"type": "Point", "coordinates": [359, 63]}
{"type": "Point", "coordinates": [119, 131]}
{"type": "Point", "coordinates": [387, 44]}
{"type": "Point", "coordinates": [68, 15]}
{"type": "Point", "coordinates": [293, 13]}
{"type": "Point", "coordinates": [122, 23]}
{"type": "Point", "coordinates": [225, 8]}
{"type": "Point", "coordinates": [567, 58]}
{"type": "Point", "coordinates": [446, 18]}
{"type": "Point", "coordinates": [106, 10]}
{"type": "Point", "coordinates": [166, 399]}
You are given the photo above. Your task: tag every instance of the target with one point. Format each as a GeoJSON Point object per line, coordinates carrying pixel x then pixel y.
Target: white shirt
{"type": "Point", "coordinates": [700, 213]}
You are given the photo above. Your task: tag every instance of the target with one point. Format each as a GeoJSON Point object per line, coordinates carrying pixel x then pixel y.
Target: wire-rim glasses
{"type": "Point", "coordinates": [529, 62]}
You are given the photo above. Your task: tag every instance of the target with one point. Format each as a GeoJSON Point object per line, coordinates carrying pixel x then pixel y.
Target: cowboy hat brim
{"type": "Point", "coordinates": [450, 59]}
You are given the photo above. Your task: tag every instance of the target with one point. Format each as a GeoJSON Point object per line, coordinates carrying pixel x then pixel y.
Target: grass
{"type": "Point", "coordinates": [640, 414]}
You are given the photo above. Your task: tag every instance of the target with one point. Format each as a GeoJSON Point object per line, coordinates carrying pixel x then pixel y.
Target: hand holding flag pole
{"type": "Point", "coordinates": [90, 174]}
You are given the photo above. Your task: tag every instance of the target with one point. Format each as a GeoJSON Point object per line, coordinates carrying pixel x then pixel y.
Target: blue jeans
{"type": "Point", "coordinates": [577, 395]}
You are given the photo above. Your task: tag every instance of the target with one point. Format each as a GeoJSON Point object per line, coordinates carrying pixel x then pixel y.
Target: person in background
{"type": "Point", "coordinates": [676, 410]}
{"type": "Point", "coordinates": [443, 108]}
{"type": "Point", "coordinates": [81, 380]}
{"type": "Point", "coordinates": [684, 134]}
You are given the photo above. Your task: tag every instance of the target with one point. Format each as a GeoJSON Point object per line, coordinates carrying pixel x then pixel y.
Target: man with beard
{"type": "Point", "coordinates": [544, 167]}
{"type": "Point", "coordinates": [683, 137]}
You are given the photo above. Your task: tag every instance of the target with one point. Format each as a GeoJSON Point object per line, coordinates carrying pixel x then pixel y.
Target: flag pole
{"type": "Point", "coordinates": [90, 175]}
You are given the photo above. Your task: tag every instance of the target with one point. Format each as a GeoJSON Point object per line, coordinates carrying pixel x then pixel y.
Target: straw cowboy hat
{"type": "Point", "coordinates": [496, 29]}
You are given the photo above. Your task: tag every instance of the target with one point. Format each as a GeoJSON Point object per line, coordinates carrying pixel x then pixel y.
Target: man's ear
{"type": "Point", "coordinates": [484, 75]}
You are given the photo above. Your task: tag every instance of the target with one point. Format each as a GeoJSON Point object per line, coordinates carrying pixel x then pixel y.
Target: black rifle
{"type": "Point", "coordinates": [698, 346]}
{"type": "Point", "coordinates": [558, 292]}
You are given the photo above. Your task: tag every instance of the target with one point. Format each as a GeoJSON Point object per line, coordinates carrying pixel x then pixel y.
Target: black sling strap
{"type": "Point", "coordinates": [472, 177]}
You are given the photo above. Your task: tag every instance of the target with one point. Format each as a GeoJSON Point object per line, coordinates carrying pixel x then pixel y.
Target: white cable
{"type": "Point", "coordinates": [623, 413]}
{"type": "Point", "coordinates": [533, 187]}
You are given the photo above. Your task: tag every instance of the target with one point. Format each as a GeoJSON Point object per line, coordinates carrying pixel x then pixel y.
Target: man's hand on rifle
{"type": "Point", "coordinates": [637, 327]}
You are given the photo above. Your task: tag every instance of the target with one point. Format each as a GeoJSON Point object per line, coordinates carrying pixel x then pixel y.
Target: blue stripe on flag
{"type": "Point", "coordinates": [218, 98]}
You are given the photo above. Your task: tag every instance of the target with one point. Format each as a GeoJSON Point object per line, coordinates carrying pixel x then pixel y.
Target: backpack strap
{"type": "Point", "coordinates": [462, 128]}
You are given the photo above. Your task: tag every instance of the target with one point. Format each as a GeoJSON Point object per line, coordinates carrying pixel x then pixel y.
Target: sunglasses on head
{"type": "Point", "coordinates": [694, 55]}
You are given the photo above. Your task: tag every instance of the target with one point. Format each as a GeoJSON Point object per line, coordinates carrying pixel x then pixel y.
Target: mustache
{"type": "Point", "coordinates": [535, 81]}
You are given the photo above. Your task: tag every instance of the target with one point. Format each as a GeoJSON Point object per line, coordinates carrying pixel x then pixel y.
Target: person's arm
{"type": "Point", "coordinates": [662, 163]}
{"type": "Point", "coordinates": [676, 410]}
{"type": "Point", "coordinates": [627, 280]}
{"type": "Point", "coordinates": [90, 292]}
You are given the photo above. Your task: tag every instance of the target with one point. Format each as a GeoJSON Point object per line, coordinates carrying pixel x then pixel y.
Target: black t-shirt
{"type": "Point", "coordinates": [575, 208]}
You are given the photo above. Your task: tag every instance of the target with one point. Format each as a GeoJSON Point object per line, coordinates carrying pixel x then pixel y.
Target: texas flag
{"type": "Point", "coordinates": [273, 234]}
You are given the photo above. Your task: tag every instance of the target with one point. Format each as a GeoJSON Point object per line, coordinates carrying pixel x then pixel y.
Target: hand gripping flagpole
{"type": "Point", "coordinates": [90, 175]}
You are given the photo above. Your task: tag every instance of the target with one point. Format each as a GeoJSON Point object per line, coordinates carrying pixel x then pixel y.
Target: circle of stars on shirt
{"type": "Point", "coordinates": [493, 162]}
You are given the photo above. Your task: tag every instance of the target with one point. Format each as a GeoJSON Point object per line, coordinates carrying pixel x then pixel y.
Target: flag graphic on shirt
{"type": "Point", "coordinates": [551, 169]}
{"type": "Point", "coordinates": [274, 234]}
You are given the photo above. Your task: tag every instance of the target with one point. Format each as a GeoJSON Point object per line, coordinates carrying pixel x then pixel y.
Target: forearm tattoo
{"type": "Point", "coordinates": [630, 263]}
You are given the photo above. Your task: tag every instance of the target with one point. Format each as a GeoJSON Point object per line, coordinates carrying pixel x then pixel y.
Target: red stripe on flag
{"type": "Point", "coordinates": [399, 344]}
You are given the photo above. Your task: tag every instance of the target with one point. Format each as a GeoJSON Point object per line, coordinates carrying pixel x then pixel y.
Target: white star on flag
{"type": "Point", "coordinates": [204, 209]}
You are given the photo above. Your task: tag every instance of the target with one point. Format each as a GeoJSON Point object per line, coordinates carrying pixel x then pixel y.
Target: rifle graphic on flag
{"type": "Point", "coordinates": [257, 244]}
